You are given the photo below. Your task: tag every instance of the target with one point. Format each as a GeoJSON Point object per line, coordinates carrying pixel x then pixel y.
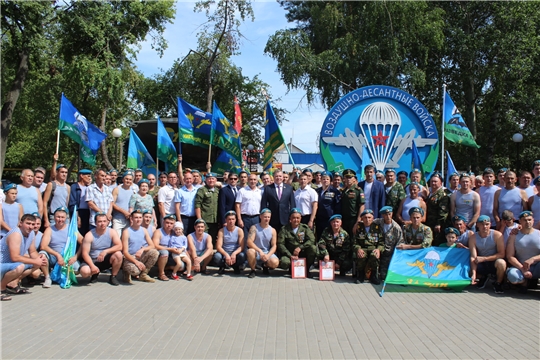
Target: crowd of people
{"type": "Point", "coordinates": [183, 222]}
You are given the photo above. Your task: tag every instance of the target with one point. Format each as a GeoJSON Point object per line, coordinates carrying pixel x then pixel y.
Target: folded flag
{"type": "Point", "coordinates": [455, 128]}
{"type": "Point", "coordinates": [193, 124]}
{"type": "Point", "coordinates": [450, 169]}
{"type": "Point", "coordinates": [65, 275]}
{"type": "Point", "coordinates": [166, 151]}
{"type": "Point", "coordinates": [273, 138]}
{"type": "Point", "coordinates": [73, 124]}
{"type": "Point", "coordinates": [138, 156]}
{"type": "Point", "coordinates": [433, 267]}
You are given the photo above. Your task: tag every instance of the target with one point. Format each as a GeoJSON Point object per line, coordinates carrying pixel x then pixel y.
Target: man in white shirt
{"type": "Point", "coordinates": [248, 204]}
{"type": "Point", "coordinates": [166, 196]}
{"type": "Point", "coordinates": [307, 201]}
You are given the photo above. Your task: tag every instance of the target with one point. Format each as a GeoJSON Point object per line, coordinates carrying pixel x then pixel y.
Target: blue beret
{"type": "Point", "coordinates": [390, 171]}
{"type": "Point", "coordinates": [198, 221]}
{"type": "Point", "coordinates": [386, 210]}
{"type": "Point", "coordinates": [483, 218]}
{"type": "Point", "coordinates": [86, 172]}
{"type": "Point", "coordinates": [453, 230]}
{"type": "Point", "coordinates": [367, 211]}
{"type": "Point", "coordinates": [111, 171]}
{"type": "Point", "coordinates": [230, 212]}
{"type": "Point", "coordinates": [171, 216]}
{"type": "Point", "coordinates": [525, 213]}
{"type": "Point", "coordinates": [128, 173]}
{"type": "Point", "coordinates": [36, 214]}
{"type": "Point", "coordinates": [265, 210]}
{"type": "Point", "coordinates": [138, 211]}
{"type": "Point", "coordinates": [336, 216]}
{"type": "Point", "coordinates": [62, 208]}
{"type": "Point", "coordinates": [416, 209]}
{"type": "Point", "coordinates": [337, 173]}
{"type": "Point", "coordinates": [146, 211]}
{"type": "Point", "coordinates": [59, 166]}
{"type": "Point", "coordinates": [211, 174]}
{"type": "Point", "coordinates": [9, 187]}
{"type": "Point", "coordinates": [295, 211]}
{"type": "Point", "coordinates": [327, 173]}
{"type": "Point", "coordinates": [307, 170]}
{"type": "Point", "coordinates": [458, 218]}
{"type": "Point", "coordinates": [536, 180]}
{"type": "Point", "coordinates": [143, 181]}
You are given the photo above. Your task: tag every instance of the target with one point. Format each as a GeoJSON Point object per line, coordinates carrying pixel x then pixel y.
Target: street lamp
{"type": "Point", "coordinates": [116, 133]}
{"type": "Point", "coordinates": [517, 138]}
{"type": "Point", "coordinates": [250, 148]}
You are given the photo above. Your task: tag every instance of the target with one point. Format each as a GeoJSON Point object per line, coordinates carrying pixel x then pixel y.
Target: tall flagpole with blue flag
{"type": "Point", "coordinates": [451, 169]}
{"type": "Point", "coordinates": [138, 156]}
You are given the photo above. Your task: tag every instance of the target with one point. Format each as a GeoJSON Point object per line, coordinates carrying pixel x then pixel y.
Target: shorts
{"type": "Point", "coordinates": [103, 265]}
{"type": "Point", "coordinates": [486, 268]}
{"type": "Point", "coordinates": [53, 260]}
{"type": "Point", "coordinates": [7, 267]}
{"type": "Point", "coordinates": [260, 262]}
{"type": "Point", "coordinates": [181, 255]}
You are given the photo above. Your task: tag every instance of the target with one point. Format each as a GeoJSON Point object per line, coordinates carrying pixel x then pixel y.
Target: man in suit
{"type": "Point", "coordinates": [227, 196]}
{"type": "Point", "coordinates": [373, 191]}
{"type": "Point", "coordinates": [279, 198]}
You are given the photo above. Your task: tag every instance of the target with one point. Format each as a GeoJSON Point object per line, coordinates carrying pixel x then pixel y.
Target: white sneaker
{"type": "Point", "coordinates": [47, 283]}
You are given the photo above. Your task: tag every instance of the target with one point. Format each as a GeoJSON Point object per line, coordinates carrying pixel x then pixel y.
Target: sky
{"type": "Point", "coordinates": [304, 122]}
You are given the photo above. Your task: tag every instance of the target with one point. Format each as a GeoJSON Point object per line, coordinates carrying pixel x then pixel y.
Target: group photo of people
{"type": "Point", "coordinates": [169, 226]}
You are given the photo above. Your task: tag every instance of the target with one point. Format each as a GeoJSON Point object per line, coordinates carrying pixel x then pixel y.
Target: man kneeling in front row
{"type": "Point", "coordinates": [138, 248]}
{"type": "Point", "coordinates": [262, 244]}
{"type": "Point", "coordinates": [101, 250]}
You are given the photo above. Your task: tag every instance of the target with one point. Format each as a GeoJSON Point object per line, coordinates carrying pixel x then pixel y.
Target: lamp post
{"type": "Point", "coordinates": [116, 133]}
{"type": "Point", "coordinates": [517, 138]}
{"type": "Point", "coordinates": [250, 148]}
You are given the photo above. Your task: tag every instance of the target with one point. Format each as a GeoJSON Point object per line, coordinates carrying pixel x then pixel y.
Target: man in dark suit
{"type": "Point", "coordinates": [373, 190]}
{"type": "Point", "coordinates": [279, 198]}
{"type": "Point", "coordinates": [227, 196]}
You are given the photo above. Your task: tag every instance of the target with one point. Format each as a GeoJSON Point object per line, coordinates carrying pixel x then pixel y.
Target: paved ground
{"type": "Point", "coordinates": [267, 317]}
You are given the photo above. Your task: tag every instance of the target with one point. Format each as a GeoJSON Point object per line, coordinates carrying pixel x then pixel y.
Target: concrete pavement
{"type": "Point", "coordinates": [233, 317]}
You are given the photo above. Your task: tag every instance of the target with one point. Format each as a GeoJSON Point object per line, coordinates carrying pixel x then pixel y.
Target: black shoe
{"type": "Point", "coordinates": [113, 281]}
{"type": "Point", "coordinates": [266, 271]}
{"type": "Point", "coordinates": [252, 274]}
{"type": "Point", "coordinates": [94, 278]}
{"type": "Point", "coordinates": [522, 289]}
{"type": "Point", "coordinates": [360, 278]}
{"type": "Point", "coordinates": [221, 271]}
{"type": "Point", "coordinates": [236, 270]}
{"type": "Point", "coordinates": [482, 282]}
{"type": "Point", "coordinates": [497, 287]}
{"type": "Point", "coordinates": [374, 279]}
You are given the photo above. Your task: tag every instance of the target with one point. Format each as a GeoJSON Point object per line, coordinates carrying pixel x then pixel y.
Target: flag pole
{"type": "Point", "coordinates": [57, 141]}
{"type": "Point", "coordinates": [442, 126]}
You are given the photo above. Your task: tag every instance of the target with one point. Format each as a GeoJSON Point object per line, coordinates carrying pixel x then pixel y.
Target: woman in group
{"type": "Point", "coordinates": [142, 200]}
{"type": "Point", "coordinates": [411, 201]}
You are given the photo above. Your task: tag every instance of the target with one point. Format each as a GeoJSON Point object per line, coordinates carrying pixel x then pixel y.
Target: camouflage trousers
{"type": "Point", "coordinates": [148, 258]}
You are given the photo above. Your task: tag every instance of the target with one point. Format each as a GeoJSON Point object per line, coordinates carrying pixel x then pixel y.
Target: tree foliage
{"type": "Point", "coordinates": [84, 49]}
{"type": "Point", "coordinates": [487, 53]}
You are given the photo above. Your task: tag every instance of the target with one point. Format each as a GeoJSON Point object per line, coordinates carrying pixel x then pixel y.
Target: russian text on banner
{"type": "Point", "coordinates": [432, 267]}
{"type": "Point", "coordinates": [193, 124]}
{"type": "Point", "coordinates": [455, 128]}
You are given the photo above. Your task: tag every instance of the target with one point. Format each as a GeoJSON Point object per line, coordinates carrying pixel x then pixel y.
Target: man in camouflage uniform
{"type": "Point", "coordinates": [352, 202]}
{"type": "Point", "coordinates": [367, 248]}
{"type": "Point", "coordinates": [335, 244]}
{"type": "Point", "coordinates": [416, 235]}
{"type": "Point", "coordinates": [394, 191]}
{"type": "Point", "coordinates": [296, 240]}
{"type": "Point", "coordinates": [438, 207]}
{"type": "Point", "coordinates": [392, 234]}
{"type": "Point", "coordinates": [206, 205]}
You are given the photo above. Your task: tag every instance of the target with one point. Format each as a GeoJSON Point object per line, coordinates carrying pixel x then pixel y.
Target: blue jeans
{"type": "Point", "coordinates": [219, 259]}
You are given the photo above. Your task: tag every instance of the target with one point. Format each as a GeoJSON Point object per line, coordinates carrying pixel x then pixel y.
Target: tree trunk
{"type": "Point", "coordinates": [9, 105]}
{"type": "Point", "coordinates": [104, 153]}
{"type": "Point", "coordinates": [492, 140]}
